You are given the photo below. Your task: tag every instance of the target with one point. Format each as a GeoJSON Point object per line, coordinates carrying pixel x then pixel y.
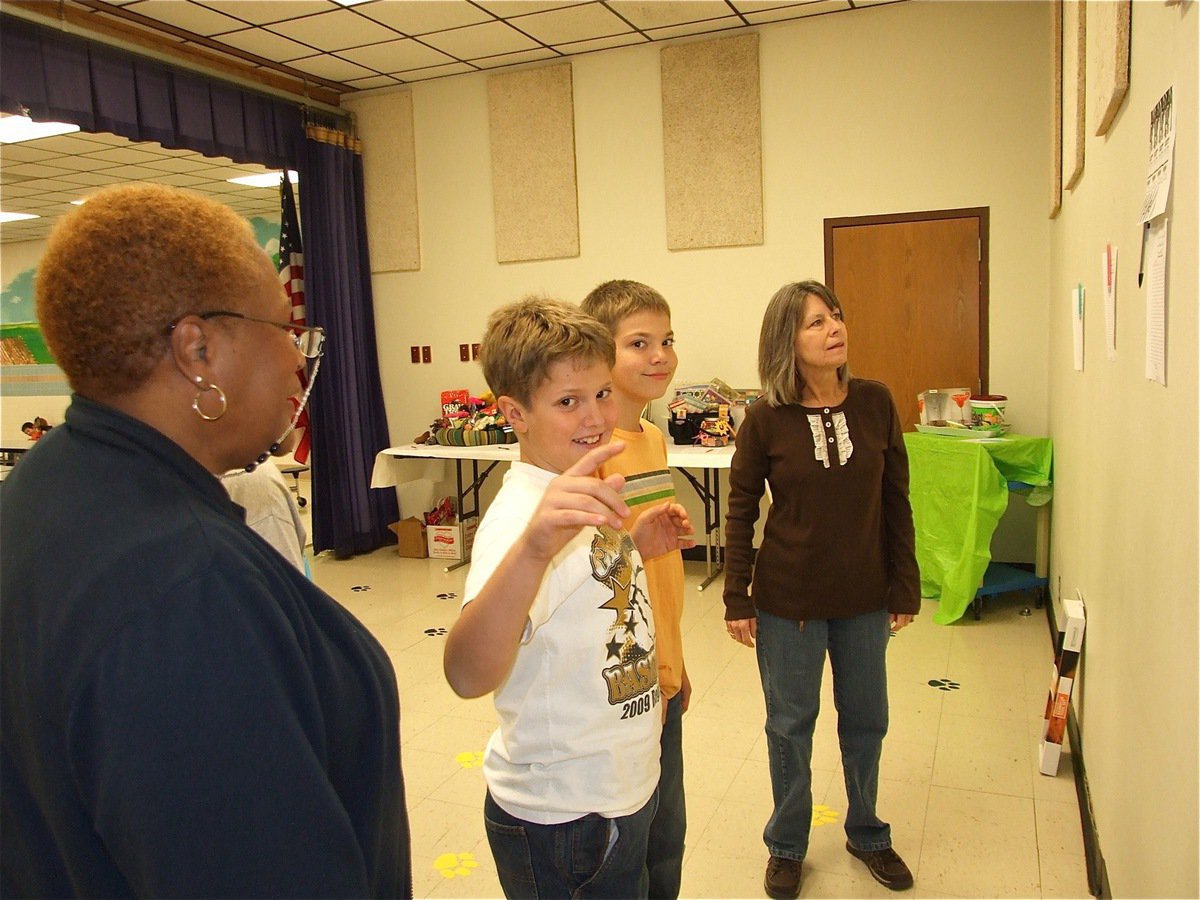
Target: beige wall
{"type": "Point", "coordinates": [1125, 496]}
{"type": "Point", "coordinates": [906, 107]}
{"type": "Point", "coordinates": [898, 108]}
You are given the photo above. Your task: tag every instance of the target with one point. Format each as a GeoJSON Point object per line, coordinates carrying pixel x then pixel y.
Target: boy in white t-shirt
{"type": "Point", "coordinates": [556, 621]}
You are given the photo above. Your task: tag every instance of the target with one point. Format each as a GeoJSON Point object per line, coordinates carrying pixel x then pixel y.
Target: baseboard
{"type": "Point", "coordinates": [1097, 872]}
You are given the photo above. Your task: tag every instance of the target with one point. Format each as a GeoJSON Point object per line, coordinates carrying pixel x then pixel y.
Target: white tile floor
{"type": "Point", "coordinates": [959, 784]}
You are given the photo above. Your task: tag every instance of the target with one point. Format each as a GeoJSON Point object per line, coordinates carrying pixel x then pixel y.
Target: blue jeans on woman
{"type": "Point", "coordinates": [791, 657]}
{"type": "Point", "coordinates": [587, 857]}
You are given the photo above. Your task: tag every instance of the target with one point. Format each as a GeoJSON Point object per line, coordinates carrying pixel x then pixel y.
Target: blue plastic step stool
{"type": "Point", "coordinates": [1001, 578]}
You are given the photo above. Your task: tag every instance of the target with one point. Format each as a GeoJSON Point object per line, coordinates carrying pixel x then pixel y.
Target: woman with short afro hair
{"type": "Point", "coordinates": [182, 712]}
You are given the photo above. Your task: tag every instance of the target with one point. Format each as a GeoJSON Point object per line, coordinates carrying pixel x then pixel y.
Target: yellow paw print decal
{"type": "Point", "coordinates": [455, 865]}
{"type": "Point", "coordinates": [470, 759]}
{"type": "Point", "coordinates": [823, 815]}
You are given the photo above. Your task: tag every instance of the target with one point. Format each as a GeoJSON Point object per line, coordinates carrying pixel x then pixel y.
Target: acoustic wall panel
{"type": "Point", "coordinates": [712, 143]}
{"type": "Point", "coordinates": [1057, 135]}
{"type": "Point", "coordinates": [385, 126]}
{"type": "Point", "coordinates": [1108, 65]}
{"type": "Point", "coordinates": [1074, 93]}
{"type": "Point", "coordinates": [531, 118]}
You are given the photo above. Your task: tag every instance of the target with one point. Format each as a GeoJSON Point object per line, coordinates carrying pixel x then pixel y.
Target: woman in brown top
{"type": "Point", "coordinates": [836, 571]}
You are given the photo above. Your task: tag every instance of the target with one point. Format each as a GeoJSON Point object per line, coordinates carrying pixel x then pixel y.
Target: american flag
{"type": "Point", "coordinates": [291, 276]}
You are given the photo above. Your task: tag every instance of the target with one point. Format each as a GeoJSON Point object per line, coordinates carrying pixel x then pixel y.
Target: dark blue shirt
{"type": "Point", "coordinates": [184, 713]}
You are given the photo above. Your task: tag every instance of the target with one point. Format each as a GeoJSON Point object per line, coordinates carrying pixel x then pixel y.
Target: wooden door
{"type": "Point", "coordinates": [914, 287]}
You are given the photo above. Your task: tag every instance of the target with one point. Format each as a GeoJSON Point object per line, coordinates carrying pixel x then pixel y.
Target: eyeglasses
{"type": "Point", "coordinates": [309, 339]}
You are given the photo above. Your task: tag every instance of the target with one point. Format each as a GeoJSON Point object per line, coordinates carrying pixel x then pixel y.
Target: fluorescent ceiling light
{"type": "Point", "coordinates": [265, 180]}
{"type": "Point", "coordinates": [16, 217]}
{"type": "Point", "coordinates": [79, 202]}
{"type": "Point", "coordinates": [14, 129]}
{"type": "Point", "coordinates": [349, 2]}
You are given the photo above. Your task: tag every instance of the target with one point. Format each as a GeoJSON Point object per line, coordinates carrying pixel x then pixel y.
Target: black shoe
{"type": "Point", "coordinates": [783, 878]}
{"type": "Point", "coordinates": [885, 866]}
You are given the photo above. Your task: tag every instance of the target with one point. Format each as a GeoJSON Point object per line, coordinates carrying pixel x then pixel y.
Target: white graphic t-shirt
{"type": "Point", "coordinates": [580, 719]}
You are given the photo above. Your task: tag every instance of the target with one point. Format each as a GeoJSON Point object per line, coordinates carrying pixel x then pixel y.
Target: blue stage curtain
{"type": "Point", "coordinates": [66, 78]}
{"type": "Point", "coordinates": [349, 425]}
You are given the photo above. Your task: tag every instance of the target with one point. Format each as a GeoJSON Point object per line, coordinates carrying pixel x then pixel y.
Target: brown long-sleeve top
{"type": "Point", "coordinates": [839, 540]}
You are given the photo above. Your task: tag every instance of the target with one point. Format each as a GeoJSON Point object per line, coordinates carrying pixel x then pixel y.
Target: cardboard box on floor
{"type": "Point", "coordinates": [410, 538]}
{"type": "Point", "coordinates": [1062, 681]}
{"type": "Point", "coordinates": [451, 541]}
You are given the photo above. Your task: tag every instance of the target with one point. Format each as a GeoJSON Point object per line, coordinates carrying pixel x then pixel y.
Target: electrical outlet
{"type": "Point", "coordinates": [426, 355]}
{"type": "Point", "coordinates": [474, 351]}
{"type": "Point", "coordinates": [415, 352]}
{"type": "Point", "coordinates": [464, 353]}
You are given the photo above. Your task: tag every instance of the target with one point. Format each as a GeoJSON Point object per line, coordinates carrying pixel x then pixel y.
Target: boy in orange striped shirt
{"type": "Point", "coordinates": [640, 321]}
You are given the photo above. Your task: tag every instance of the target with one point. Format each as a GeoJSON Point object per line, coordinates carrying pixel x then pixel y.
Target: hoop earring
{"type": "Point", "coordinates": [196, 400]}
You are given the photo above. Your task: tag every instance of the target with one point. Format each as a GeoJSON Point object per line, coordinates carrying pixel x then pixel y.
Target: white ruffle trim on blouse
{"type": "Point", "coordinates": [841, 433]}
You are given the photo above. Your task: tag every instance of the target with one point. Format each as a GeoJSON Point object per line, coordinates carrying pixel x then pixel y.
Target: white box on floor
{"type": "Point", "coordinates": [451, 541]}
{"type": "Point", "coordinates": [1062, 681]}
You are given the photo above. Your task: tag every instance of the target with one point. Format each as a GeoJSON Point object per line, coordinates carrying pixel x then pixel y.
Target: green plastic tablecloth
{"type": "Point", "coordinates": [959, 490]}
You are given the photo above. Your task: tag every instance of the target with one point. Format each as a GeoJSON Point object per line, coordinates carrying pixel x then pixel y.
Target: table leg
{"type": "Point", "coordinates": [477, 480]}
{"type": "Point", "coordinates": [710, 495]}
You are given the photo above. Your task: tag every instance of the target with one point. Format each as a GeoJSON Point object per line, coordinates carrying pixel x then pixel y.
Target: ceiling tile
{"type": "Point", "coordinates": [258, 12]}
{"type": "Point", "coordinates": [94, 178]}
{"type": "Point", "coordinates": [64, 145]}
{"type": "Point", "coordinates": [14, 232]}
{"type": "Point", "coordinates": [488, 39]}
{"type": "Point", "coordinates": [396, 56]}
{"type": "Point", "coordinates": [660, 15]}
{"type": "Point", "coordinates": [575, 23]}
{"type": "Point", "coordinates": [330, 67]}
{"type": "Point", "coordinates": [222, 187]}
{"type": "Point", "coordinates": [113, 156]}
{"type": "Point", "coordinates": [618, 40]}
{"type": "Point", "coordinates": [457, 68]}
{"type": "Point", "coordinates": [104, 138]}
{"type": "Point", "coordinates": [335, 30]}
{"type": "Point", "coordinates": [745, 6]}
{"type": "Point", "coordinates": [177, 179]}
{"type": "Point", "coordinates": [57, 198]}
{"type": "Point", "coordinates": [19, 189]}
{"type": "Point", "coordinates": [662, 34]}
{"type": "Point", "coordinates": [267, 44]}
{"type": "Point", "coordinates": [425, 16]}
{"type": "Point", "coordinates": [510, 8]}
{"type": "Point", "coordinates": [83, 163]}
{"type": "Point", "coordinates": [512, 59]}
{"type": "Point", "coordinates": [57, 185]}
{"type": "Point", "coordinates": [189, 16]}
{"type": "Point", "coordinates": [177, 163]}
{"type": "Point", "coordinates": [130, 173]}
{"type": "Point", "coordinates": [34, 170]}
{"type": "Point", "coordinates": [21, 153]}
{"type": "Point", "coordinates": [375, 81]}
{"type": "Point", "coordinates": [797, 12]}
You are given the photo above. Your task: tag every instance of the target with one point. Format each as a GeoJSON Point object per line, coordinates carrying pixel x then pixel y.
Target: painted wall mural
{"type": "Point", "coordinates": [26, 364]}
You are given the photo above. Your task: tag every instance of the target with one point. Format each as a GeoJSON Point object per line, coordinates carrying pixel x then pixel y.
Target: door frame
{"type": "Point", "coordinates": [974, 212]}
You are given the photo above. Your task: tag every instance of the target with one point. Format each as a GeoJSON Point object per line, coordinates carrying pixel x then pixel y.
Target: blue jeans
{"type": "Point", "coordinates": [589, 857]}
{"type": "Point", "coordinates": [791, 656]}
{"type": "Point", "coordinates": [664, 855]}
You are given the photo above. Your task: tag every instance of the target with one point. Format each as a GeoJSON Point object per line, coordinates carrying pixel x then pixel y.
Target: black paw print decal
{"type": "Point", "coordinates": [447, 595]}
{"type": "Point", "coordinates": [361, 587]}
{"type": "Point", "coordinates": [435, 632]}
{"type": "Point", "coordinates": [943, 684]}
